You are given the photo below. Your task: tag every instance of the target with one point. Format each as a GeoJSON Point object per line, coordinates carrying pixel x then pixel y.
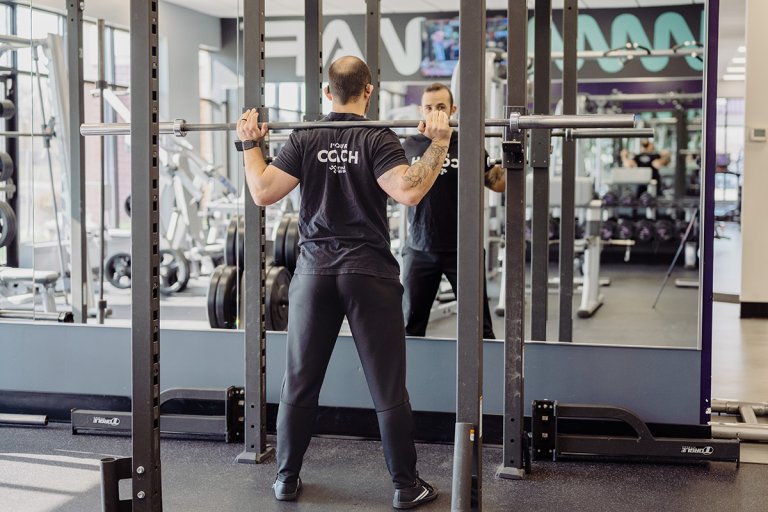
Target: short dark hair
{"type": "Point", "coordinates": [437, 86]}
{"type": "Point", "coordinates": [347, 78]}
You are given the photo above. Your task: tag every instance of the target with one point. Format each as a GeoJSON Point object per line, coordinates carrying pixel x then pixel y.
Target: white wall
{"type": "Point", "coordinates": [754, 281]}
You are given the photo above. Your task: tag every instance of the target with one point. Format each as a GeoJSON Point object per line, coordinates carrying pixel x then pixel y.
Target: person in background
{"type": "Point", "coordinates": [431, 248]}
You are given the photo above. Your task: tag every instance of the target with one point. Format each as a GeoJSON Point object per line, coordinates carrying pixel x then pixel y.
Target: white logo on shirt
{"type": "Point", "coordinates": [338, 156]}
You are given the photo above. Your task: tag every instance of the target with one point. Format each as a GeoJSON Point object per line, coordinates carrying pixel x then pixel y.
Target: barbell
{"type": "Point", "coordinates": [180, 127]}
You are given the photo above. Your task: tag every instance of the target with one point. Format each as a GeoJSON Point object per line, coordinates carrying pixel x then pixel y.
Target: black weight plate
{"type": "Point", "coordinates": [6, 166]}
{"type": "Point", "coordinates": [7, 224]}
{"type": "Point", "coordinates": [174, 271]}
{"type": "Point", "coordinates": [230, 243]}
{"type": "Point", "coordinates": [241, 305]}
{"type": "Point", "coordinates": [226, 298]}
{"type": "Point", "coordinates": [665, 230]}
{"type": "Point", "coordinates": [117, 270]}
{"type": "Point", "coordinates": [276, 303]}
{"type": "Point", "coordinates": [625, 230]}
{"type": "Point", "coordinates": [127, 205]}
{"type": "Point", "coordinates": [292, 245]}
{"type": "Point", "coordinates": [279, 247]}
{"type": "Point", "coordinates": [7, 109]}
{"type": "Point", "coordinates": [240, 241]}
{"type": "Point", "coordinates": [211, 299]}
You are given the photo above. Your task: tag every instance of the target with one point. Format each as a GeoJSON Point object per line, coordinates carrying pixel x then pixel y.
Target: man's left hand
{"type": "Point", "coordinates": [248, 126]}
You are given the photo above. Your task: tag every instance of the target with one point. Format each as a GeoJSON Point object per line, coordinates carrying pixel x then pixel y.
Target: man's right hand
{"type": "Point", "coordinates": [436, 127]}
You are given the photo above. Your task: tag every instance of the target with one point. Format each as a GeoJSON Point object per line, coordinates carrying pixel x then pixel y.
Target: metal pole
{"type": "Point", "coordinates": [514, 253]}
{"type": "Point", "coordinates": [372, 38]}
{"type": "Point", "coordinates": [540, 142]}
{"type": "Point", "coordinates": [707, 206]}
{"type": "Point", "coordinates": [47, 141]}
{"type": "Point", "coordinates": [469, 350]}
{"type": "Point", "coordinates": [567, 208]}
{"type": "Point", "coordinates": [79, 269]}
{"type": "Point", "coordinates": [682, 143]}
{"type": "Point", "coordinates": [256, 449]}
{"type": "Point", "coordinates": [145, 249]}
{"type": "Point", "coordinates": [313, 58]}
{"type": "Point", "coordinates": [101, 85]}
{"type": "Point", "coordinates": [527, 122]}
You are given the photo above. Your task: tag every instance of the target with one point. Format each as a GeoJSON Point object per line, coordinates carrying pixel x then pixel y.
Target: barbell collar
{"type": "Point", "coordinates": [179, 127]}
{"type": "Point", "coordinates": [522, 123]}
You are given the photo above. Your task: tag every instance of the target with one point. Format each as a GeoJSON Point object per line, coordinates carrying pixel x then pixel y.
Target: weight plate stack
{"type": "Point", "coordinates": [6, 166]}
{"type": "Point", "coordinates": [226, 297]}
{"type": "Point", "coordinates": [279, 246]}
{"type": "Point", "coordinates": [211, 297]}
{"type": "Point", "coordinates": [7, 224]}
{"type": "Point", "coordinates": [292, 244]}
{"type": "Point", "coordinates": [276, 303]}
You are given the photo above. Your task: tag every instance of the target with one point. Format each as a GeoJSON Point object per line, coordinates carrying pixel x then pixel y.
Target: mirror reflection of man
{"type": "Point", "coordinates": [431, 248]}
{"type": "Point", "coordinates": [649, 158]}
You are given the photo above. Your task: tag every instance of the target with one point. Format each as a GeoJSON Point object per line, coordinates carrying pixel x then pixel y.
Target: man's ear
{"type": "Point", "coordinates": [453, 110]}
{"type": "Point", "coordinates": [369, 89]}
{"type": "Point", "coordinates": [327, 92]}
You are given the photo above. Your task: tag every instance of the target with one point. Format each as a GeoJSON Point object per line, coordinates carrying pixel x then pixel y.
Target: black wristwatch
{"type": "Point", "coordinates": [245, 145]}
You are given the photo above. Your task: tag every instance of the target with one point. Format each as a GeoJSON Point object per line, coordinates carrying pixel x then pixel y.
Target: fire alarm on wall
{"type": "Point", "coordinates": [758, 134]}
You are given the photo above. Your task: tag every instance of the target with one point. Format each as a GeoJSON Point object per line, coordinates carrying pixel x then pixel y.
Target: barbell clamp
{"type": "Point", "coordinates": [513, 144]}
{"type": "Point", "coordinates": [179, 127]}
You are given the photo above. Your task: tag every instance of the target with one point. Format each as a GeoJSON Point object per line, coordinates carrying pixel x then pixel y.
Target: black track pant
{"type": "Point", "coordinates": [421, 276]}
{"type": "Point", "coordinates": [372, 306]}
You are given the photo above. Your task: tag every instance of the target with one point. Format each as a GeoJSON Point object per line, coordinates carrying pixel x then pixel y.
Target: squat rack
{"type": "Point", "coordinates": [144, 468]}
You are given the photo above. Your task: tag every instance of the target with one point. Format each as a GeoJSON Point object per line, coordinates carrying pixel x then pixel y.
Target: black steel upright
{"type": "Point", "coordinates": [256, 449]}
{"type": "Point", "coordinates": [514, 251]}
{"type": "Point", "coordinates": [682, 143]}
{"type": "Point", "coordinates": [468, 482]}
{"type": "Point", "coordinates": [707, 236]}
{"type": "Point", "coordinates": [568, 177]}
{"type": "Point", "coordinates": [313, 59]}
{"type": "Point", "coordinates": [145, 261]}
{"type": "Point", "coordinates": [372, 38]}
{"type": "Point", "coordinates": [79, 271]}
{"type": "Point", "coordinates": [540, 145]}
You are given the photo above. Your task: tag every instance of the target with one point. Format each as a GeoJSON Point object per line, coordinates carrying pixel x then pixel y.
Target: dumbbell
{"type": "Point", "coordinates": [625, 229]}
{"type": "Point", "coordinates": [7, 109]}
{"type": "Point", "coordinates": [610, 198]}
{"type": "Point", "coordinates": [627, 199]}
{"type": "Point", "coordinates": [665, 230]}
{"type": "Point", "coordinates": [644, 231]}
{"type": "Point", "coordinates": [608, 229]}
{"type": "Point", "coordinates": [6, 166]}
{"type": "Point", "coordinates": [646, 199]}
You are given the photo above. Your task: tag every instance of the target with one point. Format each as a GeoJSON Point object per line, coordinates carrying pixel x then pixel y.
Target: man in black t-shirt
{"type": "Point", "coordinates": [345, 267]}
{"type": "Point", "coordinates": [648, 157]}
{"type": "Point", "coordinates": [431, 246]}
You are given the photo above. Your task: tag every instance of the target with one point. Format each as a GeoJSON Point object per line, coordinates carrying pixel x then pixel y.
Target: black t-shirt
{"type": "Point", "coordinates": [343, 226]}
{"type": "Point", "coordinates": [646, 160]}
{"type": "Point", "coordinates": [433, 222]}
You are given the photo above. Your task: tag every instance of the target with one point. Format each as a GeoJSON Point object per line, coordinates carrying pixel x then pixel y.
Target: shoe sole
{"type": "Point", "coordinates": [289, 496]}
{"type": "Point", "coordinates": [406, 506]}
